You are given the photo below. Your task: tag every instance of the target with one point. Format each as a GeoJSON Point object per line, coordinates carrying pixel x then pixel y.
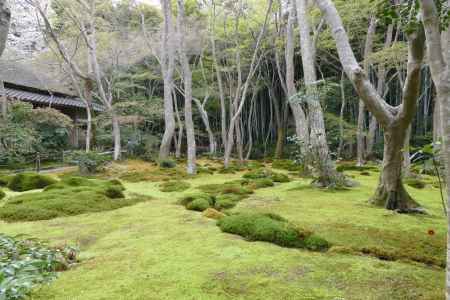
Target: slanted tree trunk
{"type": "Point", "coordinates": [167, 67]}
{"type": "Point", "coordinates": [205, 119]}
{"type": "Point", "coordinates": [395, 120]}
{"type": "Point", "coordinates": [187, 75]}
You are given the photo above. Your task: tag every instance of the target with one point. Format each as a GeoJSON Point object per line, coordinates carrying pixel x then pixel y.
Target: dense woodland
{"type": "Point", "coordinates": [317, 87]}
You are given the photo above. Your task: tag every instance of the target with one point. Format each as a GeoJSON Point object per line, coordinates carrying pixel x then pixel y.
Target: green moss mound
{"type": "Point", "coordinates": [5, 179]}
{"type": "Point", "coordinates": [415, 183]}
{"type": "Point", "coordinates": [232, 187]}
{"type": "Point", "coordinates": [30, 181]}
{"type": "Point", "coordinates": [281, 178]}
{"type": "Point", "coordinates": [351, 167]}
{"type": "Point", "coordinates": [227, 201]}
{"type": "Point", "coordinates": [174, 186]}
{"type": "Point", "coordinates": [2, 194]}
{"type": "Point", "coordinates": [67, 198]}
{"type": "Point", "coordinates": [258, 174]}
{"type": "Point", "coordinates": [287, 164]}
{"type": "Point", "coordinates": [197, 201]}
{"type": "Point", "coordinates": [262, 183]}
{"type": "Point", "coordinates": [271, 228]}
{"type": "Point", "coordinates": [167, 164]}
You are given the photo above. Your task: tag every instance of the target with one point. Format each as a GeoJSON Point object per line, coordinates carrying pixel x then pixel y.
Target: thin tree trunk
{"type": "Point", "coordinates": [167, 67]}
{"type": "Point", "coordinates": [5, 20]}
{"type": "Point", "coordinates": [360, 135]}
{"type": "Point", "coordinates": [187, 74]}
{"type": "Point", "coordinates": [301, 125]}
{"type": "Point", "coordinates": [319, 152]}
{"type": "Point", "coordinates": [341, 118]}
{"type": "Point", "coordinates": [205, 119]}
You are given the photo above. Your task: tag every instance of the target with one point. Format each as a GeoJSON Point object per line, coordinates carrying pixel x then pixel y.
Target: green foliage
{"type": "Point", "coordinates": [88, 162]}
{"type": "Point", "coordinates": [25, 264]}
{"type": "Point", "coordinates": [52, 128]}
{"type": "Point", "coordinates": [174, 186]}
{"type": "Point", "coordinates": [278, 177]}
{"type": "Point", "coordinates": [261, 183]}
{"type": "Point", "coordinates": [71, 196]}
{"type": "Point", "coordinates": [258, 174]}
{"type": "Point", "coordinates": [197, 201]}
{"type": "Point", "coordinates": [167, 164]}
{"type": "Point", "coordinates": [270, 228]}
{"type": "Point", "coordinates": [30, 181]}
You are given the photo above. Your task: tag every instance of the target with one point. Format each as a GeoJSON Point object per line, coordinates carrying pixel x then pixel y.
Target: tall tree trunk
{"type": "Point", "coordinates": [187, 75]}
{"type": "Point", "coordinates": [439, 60]}
{"type": "Point", "coordinates": [88, 102]}
{"type": "Point", "coordinates": [205, 119]}
{"type": "Point", "coordinates": [223, 110]}
{"type": "Point", "coordinates": [319, 152]}
{"type": "Point", "coordinates": [341, 118]}
{"type": "Point", "coordinates": [301, 125]}
{"type": "Point", "coordinates": [167, 67]}
{"type": "Point", "coordinates": [360, 135]}
{"type": "Point", "coordinates": [395, 120]}
{"type": "Point", "coordinates": [116, 134]}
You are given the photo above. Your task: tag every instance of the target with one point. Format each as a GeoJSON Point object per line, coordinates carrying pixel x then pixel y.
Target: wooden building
{"type": "Point", "coordinates": [24, 83]}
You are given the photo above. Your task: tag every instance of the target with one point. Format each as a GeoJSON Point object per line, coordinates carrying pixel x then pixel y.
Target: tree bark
{"type": "Point", "coordinates": [439, 58]}
{"type": "Point", "coordinates": [301, 125]}
{"type": "Point", "coordinates": [167, 67]}
{"type": "Point", "coordinates": [187, 75]}
{"type": "Point", "coordinates": [318, 146]}
{"type": "Point", "coordinates": [395, 120]}
{"type": "Point", "coordinates": [5, 20]}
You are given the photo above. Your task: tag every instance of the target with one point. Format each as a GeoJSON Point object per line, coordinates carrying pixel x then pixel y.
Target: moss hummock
{"type": "Point", "coordinates": [30, 181]}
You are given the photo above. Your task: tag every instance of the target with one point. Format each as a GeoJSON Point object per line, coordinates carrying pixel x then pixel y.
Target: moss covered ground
{"type": "Point", "coordinates": [159, 250]}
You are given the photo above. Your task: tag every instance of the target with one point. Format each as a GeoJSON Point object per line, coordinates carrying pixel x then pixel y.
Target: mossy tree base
{"type": "Point", "coordinates": [395, 199]}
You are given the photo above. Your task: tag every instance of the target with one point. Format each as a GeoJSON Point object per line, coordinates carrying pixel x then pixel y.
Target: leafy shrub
{"type": "Point", "coordinates": [25, 264]}
{"type": "Point", "coordinates": [29, 181]}
{"type": "Point", "coordinates": [270, 228]}
{"type": "Point", "coordinates": [415, 183]}
{"type": "Point", "coordinates": [174, 186]}
{"type": "Point", "coordinates": [88, 162]}
{"type": "Point", "coordinates": [167, 164]}
{"type": "Point", "coordinates": [2, 194]}
{"type": "Point", "coordinates": [66, 199]}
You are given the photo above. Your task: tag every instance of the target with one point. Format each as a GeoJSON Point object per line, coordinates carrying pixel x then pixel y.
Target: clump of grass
{"type": "Point", "coordinates": [271, 228]}
{"type": "Point", "coordinates": [2, 194]}
{"type": "Point", "coordinates": [67, 198]}
{"type": "Point", "coordinates": [174, 186]}
{"type": "Point", "coordinates": [416, 183]}
{"type": "Point", "coordinates": [167, 164]}
{"type": "Point", "coordinates": [29, 181]}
